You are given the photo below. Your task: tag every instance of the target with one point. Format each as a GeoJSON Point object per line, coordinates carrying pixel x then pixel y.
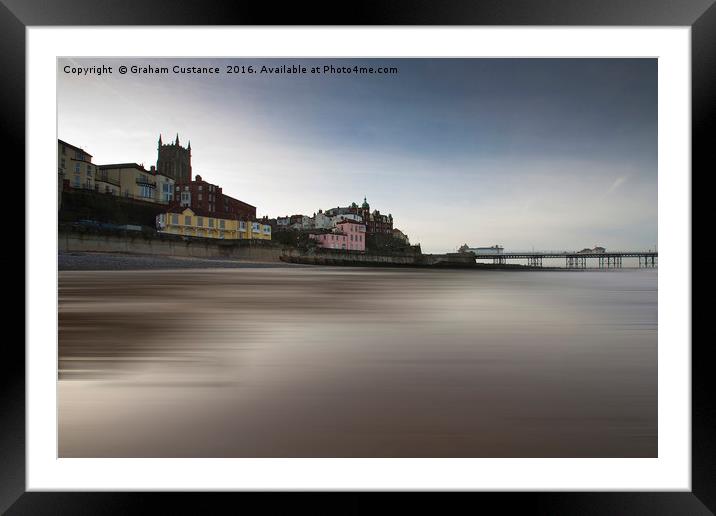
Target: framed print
{"type": "Point", "coordinates": [439, 250]}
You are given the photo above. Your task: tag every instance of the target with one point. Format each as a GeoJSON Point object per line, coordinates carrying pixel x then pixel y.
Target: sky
{"type": "Point", "coordinates": [545, 154]}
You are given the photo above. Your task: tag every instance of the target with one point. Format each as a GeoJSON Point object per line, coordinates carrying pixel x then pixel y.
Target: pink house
{"type": "Point", "coordinates": [348, 235]}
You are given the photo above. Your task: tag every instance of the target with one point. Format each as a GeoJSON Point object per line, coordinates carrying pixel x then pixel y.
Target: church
{"type": "Point", "coordinates": [174, 161]}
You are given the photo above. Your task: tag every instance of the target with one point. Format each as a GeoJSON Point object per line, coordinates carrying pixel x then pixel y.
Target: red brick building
{"type": "Point", "coordinates": [375, 222]}
{"type": "Point", "coordinates": [208, 200]}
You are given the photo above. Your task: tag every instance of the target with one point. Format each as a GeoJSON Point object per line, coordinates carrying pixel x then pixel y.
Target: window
{"type": "Point", "coordinates": [242, 225]}
{"type": "Point", "coordinates": [175, 219]}
{"type": "Point", "coordinates": [77, 182]}
{"type": "Point", "coordinates": [200, 221]}
{"type": "Point", "coordinates": [200, 190]}
{"type": "Point", "coordinates": [177, 188]}
{"type": "Point", "coordinates": [167, 193]}
{"type": "Point", "coordinates": [222, 223]}
{"type": "Point", "coordinates": [77, 168]}
{"type": "Point", "coordinates": [211, 223]}
{"type": "Point", "coordinates": [187, 220]}
{"type": "Point", "coordinates": [185, 198]}
{"type": "Point", "coordinates": [200, 194]}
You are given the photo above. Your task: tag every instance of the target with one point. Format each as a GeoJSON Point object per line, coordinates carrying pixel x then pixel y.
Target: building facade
{"type": "Point", "coordinates": [174, 161]}
{"type": "Point", "coordinates": [299, 222]}
{"type": "Point", "coordinates": [378, 223]}
{"type": "Point", "coordinates": [75, 166]}
{"type": "Point", "coordinates": [345, 216]}
{"type": "Point", "coordinates": [322, 221]}
{"type": "Point", "coordinates": [188, 223]}
{"type": "Point", "coordinates": [209, 200]}
{"type": "Point", "coordinates": [134, 181]}
{"type": "Point", "coordinates": [283, 223]}
{"type": "Point", "coordinates": [106, 181]}
{"type": "Point", "coordinates": [348, 235]}
{"type": "Point", "coordinates": [375, 221]}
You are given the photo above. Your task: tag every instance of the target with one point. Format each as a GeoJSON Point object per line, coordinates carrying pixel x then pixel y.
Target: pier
{"type": "Point", "coordinates": [572, 259]}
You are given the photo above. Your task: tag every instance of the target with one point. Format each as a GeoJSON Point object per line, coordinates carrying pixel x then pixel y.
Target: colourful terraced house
{"type": "Point", "coordinates": [188, 223]}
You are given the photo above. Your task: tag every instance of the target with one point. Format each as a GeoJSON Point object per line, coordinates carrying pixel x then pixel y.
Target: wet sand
{"type": "Point", "coordinates": [340, 362]}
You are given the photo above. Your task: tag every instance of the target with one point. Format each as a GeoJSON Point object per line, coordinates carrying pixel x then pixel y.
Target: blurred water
{"type": "Point", "coordinates": [337, 362]}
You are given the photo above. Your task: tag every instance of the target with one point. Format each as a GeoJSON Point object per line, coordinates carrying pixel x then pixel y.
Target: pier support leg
{"type": "Point", "coordinates": [576, 262]}
{"type": "Point", "coordinates": [534, 261]}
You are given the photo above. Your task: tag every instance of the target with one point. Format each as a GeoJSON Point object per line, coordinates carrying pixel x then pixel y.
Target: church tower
{"type": "Point", "coordinates": [174, 161]}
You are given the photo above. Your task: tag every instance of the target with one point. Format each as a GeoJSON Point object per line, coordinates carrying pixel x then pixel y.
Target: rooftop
{"type": "Point", "coordinates": [73, 147]}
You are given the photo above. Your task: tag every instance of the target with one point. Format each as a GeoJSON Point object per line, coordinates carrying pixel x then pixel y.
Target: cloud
{"type": "Point", "coordinates": [618, 182]}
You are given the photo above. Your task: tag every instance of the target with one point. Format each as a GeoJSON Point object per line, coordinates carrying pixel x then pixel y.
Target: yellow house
{"type": "Point", "coordinates": [75, 165]}
{"type": "Point", "coordinates": [133, 180]}
{"type": "Point", "coordinates": [258, 231]}
{"type": "Point", "coordinates": [188, 223]}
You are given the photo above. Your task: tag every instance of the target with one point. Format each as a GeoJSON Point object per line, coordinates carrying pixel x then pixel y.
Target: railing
{"type": "Point", "coordinates": [581, 251]}
{"type": "Point", "coordinates": [106, 179]}
{"type": "Point", "coordinates": [146, 182]}
{"type": "Point", "coordinates": [562, 253]}
{"type": "Point", "coordinates": [140, 198]}
{"type": "Point", "coordinates": [83, 186]}
{"type": "Point", "coordinates": [569, 255]}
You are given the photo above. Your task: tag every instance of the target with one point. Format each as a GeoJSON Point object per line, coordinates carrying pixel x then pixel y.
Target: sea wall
{"type": "Point", "coordinates": [136, 242]}
{"type": "Point", "coordinates": [348, 258]}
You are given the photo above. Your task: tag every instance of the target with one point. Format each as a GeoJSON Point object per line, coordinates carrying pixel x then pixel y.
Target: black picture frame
{"type": "Point", "coordinates": [700, 15]}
